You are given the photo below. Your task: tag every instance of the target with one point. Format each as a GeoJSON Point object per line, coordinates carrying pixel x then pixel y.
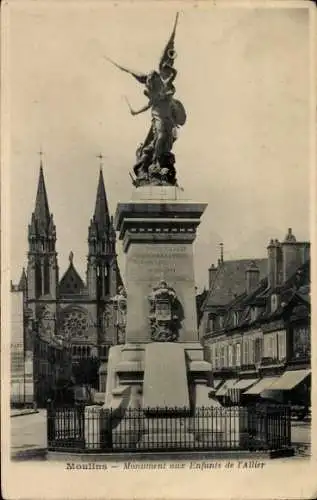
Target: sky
{"type": "Point", "coordinates": [243, 77]}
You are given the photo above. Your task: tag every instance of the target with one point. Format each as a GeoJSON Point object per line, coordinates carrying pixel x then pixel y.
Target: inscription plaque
{"type": "Point", "coordinates": [152, 262]}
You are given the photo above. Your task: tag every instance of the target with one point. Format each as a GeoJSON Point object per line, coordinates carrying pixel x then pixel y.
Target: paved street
{"type": "Point", "coordinates": [301, 437]}
{"type": "Point", "coordinates": [28, 432]}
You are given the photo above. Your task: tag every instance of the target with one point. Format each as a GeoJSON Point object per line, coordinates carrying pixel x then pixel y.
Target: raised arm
{"type": "Point", "coordinates": [141, 77]}
{"type": "Point", "coordinates": [142, 110]}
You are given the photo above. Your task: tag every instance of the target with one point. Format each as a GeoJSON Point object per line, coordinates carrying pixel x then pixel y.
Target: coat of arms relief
{"type": "Point", "coordinates": [165, 313]}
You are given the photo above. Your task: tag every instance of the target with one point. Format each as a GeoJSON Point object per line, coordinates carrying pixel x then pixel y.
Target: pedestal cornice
{"type": "Point", "coordinates": [165, 220]}
{"type": "Point", "coordinates": [153, 210]}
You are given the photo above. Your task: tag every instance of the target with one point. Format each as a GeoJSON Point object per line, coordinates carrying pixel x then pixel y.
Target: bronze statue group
{"type": "Point", "coordinates": [154, 158]}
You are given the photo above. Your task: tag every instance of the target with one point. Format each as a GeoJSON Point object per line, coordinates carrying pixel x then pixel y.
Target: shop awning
{"type": "Point", "coordinates": [226, 386]}
{"type": "Point", "coordinates": [289, 380]}
{"type": "Point", "coordinates": [245, 383]}
{"type": "Point", "coordinates": [217, 383]}
{"type": "Point", "coordinates": [263, 384]}
{"type": "Point", "coordinates": [234, 393]}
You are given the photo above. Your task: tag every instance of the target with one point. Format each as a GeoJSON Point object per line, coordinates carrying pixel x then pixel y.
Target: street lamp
{"type": "Point", "coordinates": [119, 302]}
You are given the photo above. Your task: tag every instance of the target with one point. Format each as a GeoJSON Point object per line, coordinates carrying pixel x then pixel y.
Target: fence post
{"type": "Point", "coordinates": [81, 420]}
{"type": "Point", "coordinates": [106, 429]}
{"type": "Point", "coordinates": [50, 422]}
{"type": "Point", "coordinates": [266, 427]}
{"type": "Point", "coordinates": [288, 425]}
{"type": "Point", "coordinates": [252, 426]}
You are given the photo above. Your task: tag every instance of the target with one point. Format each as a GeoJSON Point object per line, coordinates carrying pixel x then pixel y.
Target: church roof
{"type": "Point", "coordinates": [101, 213]}
{"type": "Point", "coordinates": [71, 283]}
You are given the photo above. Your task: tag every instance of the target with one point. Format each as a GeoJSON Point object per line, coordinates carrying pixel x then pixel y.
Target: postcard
{"type": "Point", "coordinates": [158, 222]}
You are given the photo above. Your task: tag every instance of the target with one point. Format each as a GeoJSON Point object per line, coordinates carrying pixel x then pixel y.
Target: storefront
{"type": "Point", "coordinates": [225, 391]}
{"type": "Point", "coordinates": [254, 393]}
{"type": "Point", "coordinates": [239, 388]}
{"type": "Point", "coordinates": [291, 387]}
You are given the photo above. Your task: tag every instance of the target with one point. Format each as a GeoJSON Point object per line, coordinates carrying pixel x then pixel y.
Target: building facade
{"type": "Point", "coordinates": [254, 338]}
{"type": "Point", "coordinates": [37, 363]}
{"type": "Point", "coordinates": [70, 315]}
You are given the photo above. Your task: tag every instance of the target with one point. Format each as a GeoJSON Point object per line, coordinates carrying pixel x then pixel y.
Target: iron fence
{"type": "Point", "coordinates": [94, 429]}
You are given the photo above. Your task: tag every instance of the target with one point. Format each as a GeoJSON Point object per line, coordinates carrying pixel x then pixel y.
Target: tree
{"type": "Point", "coordinates": [85, 372]}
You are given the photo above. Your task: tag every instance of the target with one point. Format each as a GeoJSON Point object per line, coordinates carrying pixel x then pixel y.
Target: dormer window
{"type": "Point", "coordinates": [254, 313]}
{"type": "Point", "coordinates": [274, 302]}
{"type": "Point", "coordinates": [235, 318]}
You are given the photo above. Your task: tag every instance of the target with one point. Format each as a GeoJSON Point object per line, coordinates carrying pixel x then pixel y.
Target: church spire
{"type": "Point", "coordinates": [42, 271]}
{"type": "Point", "coordinates": [101, 247]}
{"type": "Point", "coordinates": [23, 281]}
{"type": "Point", "coordinates": [42, 212]}
{"type": "Point", "coordinates": [101, 213]}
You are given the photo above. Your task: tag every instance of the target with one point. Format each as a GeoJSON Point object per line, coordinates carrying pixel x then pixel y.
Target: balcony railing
{"type": "Point", "coordinates": [248, 367]}
{"type": "Point", "coordinates": [268, 361]}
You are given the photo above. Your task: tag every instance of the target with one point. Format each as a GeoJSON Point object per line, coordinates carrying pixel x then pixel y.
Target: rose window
{"type": "Point", "coordinates": [75, 323]}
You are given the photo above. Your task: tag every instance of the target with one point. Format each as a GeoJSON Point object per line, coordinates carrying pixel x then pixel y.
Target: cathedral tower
{"type": "Point", "coordinates": [101, 266]}
{"type": "Point", "coordinates": [82, 314]}
{"type": "Point", "coordinates": [42, 270]}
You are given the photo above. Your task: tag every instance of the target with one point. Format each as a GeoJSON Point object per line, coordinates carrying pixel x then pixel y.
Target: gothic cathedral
{"type": "Point", "coordinates": [76, 311]}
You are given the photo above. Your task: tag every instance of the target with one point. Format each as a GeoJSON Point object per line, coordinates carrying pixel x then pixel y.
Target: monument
{"type": "Point", "coordinates": [161, 364]}
{"type": "Point", "coordinates": [157, 395]}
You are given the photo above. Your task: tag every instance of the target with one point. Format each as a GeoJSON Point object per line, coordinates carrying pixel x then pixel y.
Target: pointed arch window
{"type": "Point", "coordinates": [107, 279]}
{"type": "Point", "coordinates": [38, 279]}
{"type": "Point", "coordinates": [46, 277]}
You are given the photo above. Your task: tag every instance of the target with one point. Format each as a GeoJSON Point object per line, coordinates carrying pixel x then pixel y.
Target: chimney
{"type": "Point", "coordinates": [274, 270]}
{"type": "Point", "coordinates": [221, 253]}
{"type": "Point", "coordinates": [294, 254]}
{"type": "Point", "coordinates": [212, 271]}
{"type": "Point", "coordinates": [252, 277]}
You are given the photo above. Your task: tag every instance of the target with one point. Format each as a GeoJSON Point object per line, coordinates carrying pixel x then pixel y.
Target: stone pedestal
{"type": "Point", "coordinates": [165, 369]}
{"type": "Point", "coordinates": [158, 228]}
